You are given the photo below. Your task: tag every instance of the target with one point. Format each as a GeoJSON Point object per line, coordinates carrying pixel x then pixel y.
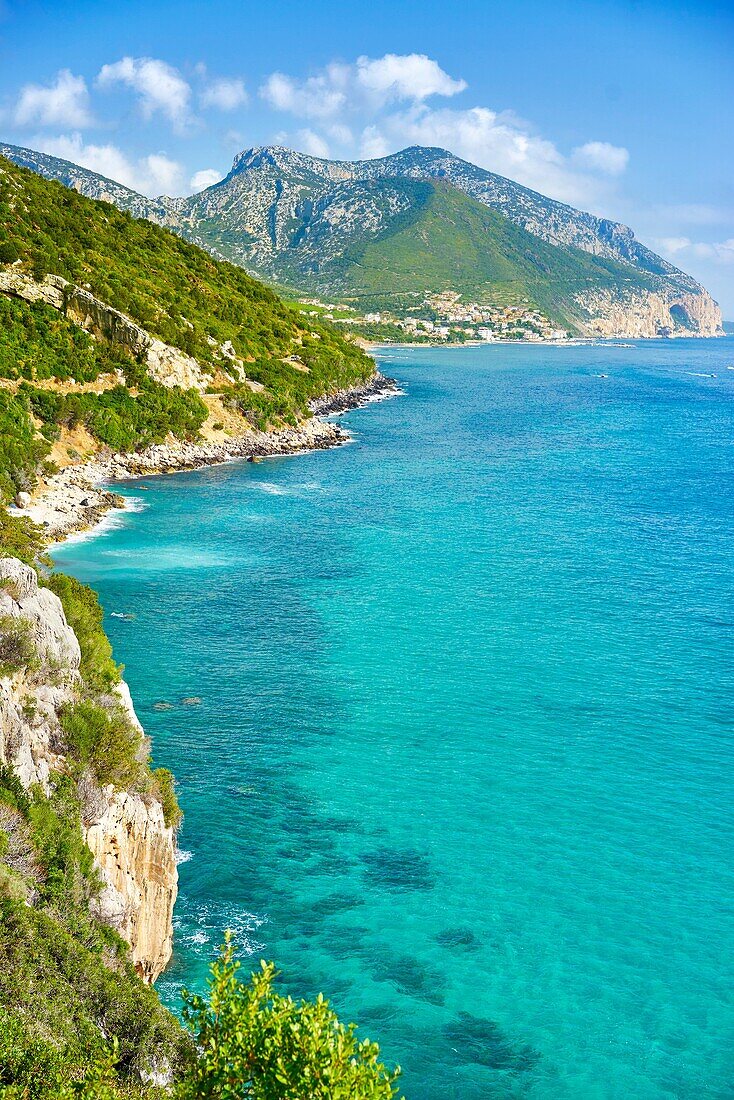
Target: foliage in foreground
{"type": "Point", "coordinates": [249, 1042]}
{"type": "Point", "coordinates": [253, 1042]}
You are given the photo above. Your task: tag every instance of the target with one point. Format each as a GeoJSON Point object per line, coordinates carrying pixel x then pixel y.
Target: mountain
{"type": "Point", "coordinates": [419, 221]}
{"type": "Point", "coordinates": [200, 324]}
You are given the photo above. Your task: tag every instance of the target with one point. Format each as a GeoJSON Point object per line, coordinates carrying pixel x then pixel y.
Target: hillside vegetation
{"type": "Point", "coordinates": [443, 238]}
{"type": "Point", "coordinates": [171, 288]}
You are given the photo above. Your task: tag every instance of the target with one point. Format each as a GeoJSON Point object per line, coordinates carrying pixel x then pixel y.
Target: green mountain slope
{"type": "Point", "coordinates": [174, 290]}
{"type": "Point", "coordinates": [444, 239]}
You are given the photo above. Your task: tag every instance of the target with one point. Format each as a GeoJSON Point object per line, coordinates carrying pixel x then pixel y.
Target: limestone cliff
{"type": "Point", "coordinates": [643, 314]}
{"type": "Point", "coordinates": [134, 850]}
{"type": "Point", "coordinates": [165, 364]}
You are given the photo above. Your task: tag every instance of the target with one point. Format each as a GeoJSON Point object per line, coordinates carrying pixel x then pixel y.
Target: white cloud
{"type": "Point", "coordinates": [160, 87]}
{"type": "Point", "coordinates": [65, 103]}
{"type": "Point", "coordinates": [670, 245]}
{"type": "Point", "coordinates": [152, 175]}
{"type": "Point", "coordinates": [602, 157]}
{"type": "Point", "coordinates": [723, 252]}
{"type": "Point", "coordinates": [497, 142]}
{"type": "Point", "coordinates": [224, 94]}
{"type": "Point", "coordinates": [406, 76]}
{"type": "Point", "coordinates": [386, 102]}
{"type": "Point", "coordinates": [368, 84]}
{"type": "Point", "coordinates": [207, 177]}
{"type": "Point", "coordinates": [340, 133]}
{"type": "Point", "coordinates": [311, 143]}
{"type": "Point", "coordinates": [720, 252]}
{"type": "Point", "coordinates": [373, 144]}
{"type": "Point", "coordinates": [320, 96]}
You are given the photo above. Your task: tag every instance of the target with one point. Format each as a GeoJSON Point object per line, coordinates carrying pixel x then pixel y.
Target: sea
{"type": "Point", "coordinates": [450, 710]}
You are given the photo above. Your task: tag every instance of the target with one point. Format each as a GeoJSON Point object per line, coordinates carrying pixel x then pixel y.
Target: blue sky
{"type": "Point", "coordinates": [622, 108]}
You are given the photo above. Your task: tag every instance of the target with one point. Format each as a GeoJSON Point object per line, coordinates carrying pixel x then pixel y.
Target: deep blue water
{"type": "Point", "coordinates": [463, 759]}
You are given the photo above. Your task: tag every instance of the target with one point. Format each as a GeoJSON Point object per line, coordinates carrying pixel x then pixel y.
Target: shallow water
{"type": "Point", "coordinates": [463, 757]}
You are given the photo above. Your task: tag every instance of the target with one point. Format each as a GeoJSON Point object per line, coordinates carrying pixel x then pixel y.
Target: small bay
{"type": "Point", "coordinates": [450, 709]}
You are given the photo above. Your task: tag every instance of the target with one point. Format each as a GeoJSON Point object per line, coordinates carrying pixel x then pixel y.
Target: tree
{"type": "Point", "coordinates": [254, 1044]}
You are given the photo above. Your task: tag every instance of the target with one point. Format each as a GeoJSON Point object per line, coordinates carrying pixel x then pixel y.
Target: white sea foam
{"type": "Point", "coordinates": [182, 856]}
{"type": "Point", "coordinates": [112, 520]}
{"type": "Point", "coordinates": [210, 921]}
{"type": "Point", "coordinates": [270, 487]}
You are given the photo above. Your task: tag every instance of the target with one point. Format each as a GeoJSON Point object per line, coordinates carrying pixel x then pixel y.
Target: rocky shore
{"type": "Point", "coordinates": [376, 388]}
{"type": "Point", "coordinates": [75, 499]}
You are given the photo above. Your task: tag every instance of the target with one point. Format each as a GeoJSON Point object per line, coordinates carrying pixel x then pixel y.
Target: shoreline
{"type": "Point", "coordinates": [77, 499]}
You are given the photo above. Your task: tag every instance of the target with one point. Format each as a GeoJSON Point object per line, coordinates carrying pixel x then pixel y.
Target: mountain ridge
{"type": "Point", "coordinates": [304, 222]}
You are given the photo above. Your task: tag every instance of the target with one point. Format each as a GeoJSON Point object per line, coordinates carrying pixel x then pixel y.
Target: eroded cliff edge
{"type": "Point", "coordinates": [125, 829]}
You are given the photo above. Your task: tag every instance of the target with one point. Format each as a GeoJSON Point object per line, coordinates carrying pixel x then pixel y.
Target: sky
{"type": "Point", "coordinates": [620, 107]}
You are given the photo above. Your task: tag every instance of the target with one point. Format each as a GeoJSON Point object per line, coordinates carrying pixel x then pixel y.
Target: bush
{"type": "Point", "coordinates": [20, 449]}
{"type": "Point", "coordinates": [75, 1018]}
{"type": "Point", "coordinates": [56, 835]}
{"type": "Point", "coordinates": [118, 419]}
{"type": "Point", "coordinates": [20, 537]}
{"type": "Point", "coordinates": [17, 650]}
{"type": "Point", "coordinates": [255, 1043]}
{"type": "Point", "coordinates": [104, 740]}
{"type": "Point", "coordinates": [84, 615]}
{"type": "Point", "coordinates": [165, 789]}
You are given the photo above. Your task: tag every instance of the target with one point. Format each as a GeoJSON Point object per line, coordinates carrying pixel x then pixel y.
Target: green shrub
{"type": "Point", "coordinates": [12, 791]}
{"type": "Point", "coordinates": [75, 1018]}
{"type": "Point", "coordinates": [104, 740]}
{"type": "Point", "coordinates": [39, 343]}
{"type": "Point", "coordinates": [165, 789]}
{"type": "Point", "coordinates": [17, 649]}
{"type": "Point", "coordinates": [20, 449]}
{"type": "Point", "coordinates": [118, 419]}
{"type": "Point", "coordinates": [255, 1043]}
{"type": "Point", "coordinates": [56, 834]}
{"type": "Point", "coordinates": [84, 615]}
{"type": "Point", "coordinates": [20, 537]}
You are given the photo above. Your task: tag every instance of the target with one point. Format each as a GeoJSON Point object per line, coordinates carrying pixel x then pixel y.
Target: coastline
{"type": "Point", "coordinates": [77, 499]}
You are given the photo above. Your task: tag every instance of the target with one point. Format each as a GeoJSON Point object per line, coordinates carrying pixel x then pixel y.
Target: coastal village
{"type": "Point", "coordinates": [445, 318]}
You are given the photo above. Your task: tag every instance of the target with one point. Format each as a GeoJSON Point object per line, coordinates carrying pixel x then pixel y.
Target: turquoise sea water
{"type": "Point", "coordinates": [463, 758]}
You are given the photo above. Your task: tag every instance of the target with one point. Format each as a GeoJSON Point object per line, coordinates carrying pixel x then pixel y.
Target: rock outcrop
{"type": "Point", "coordinates": [133, 848]}
{"type": "Point", "coordinates": [642, 314]}
{"type": "Point", "coordinates": [166, 364]}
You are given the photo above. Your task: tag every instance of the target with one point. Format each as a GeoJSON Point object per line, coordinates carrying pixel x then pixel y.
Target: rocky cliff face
{"type": "Point", "coordinates": [134, 850]}
{"type": "Point", "coordinates": [166, 364]}
{"type": "Point", "coordinates": [643, 315]}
